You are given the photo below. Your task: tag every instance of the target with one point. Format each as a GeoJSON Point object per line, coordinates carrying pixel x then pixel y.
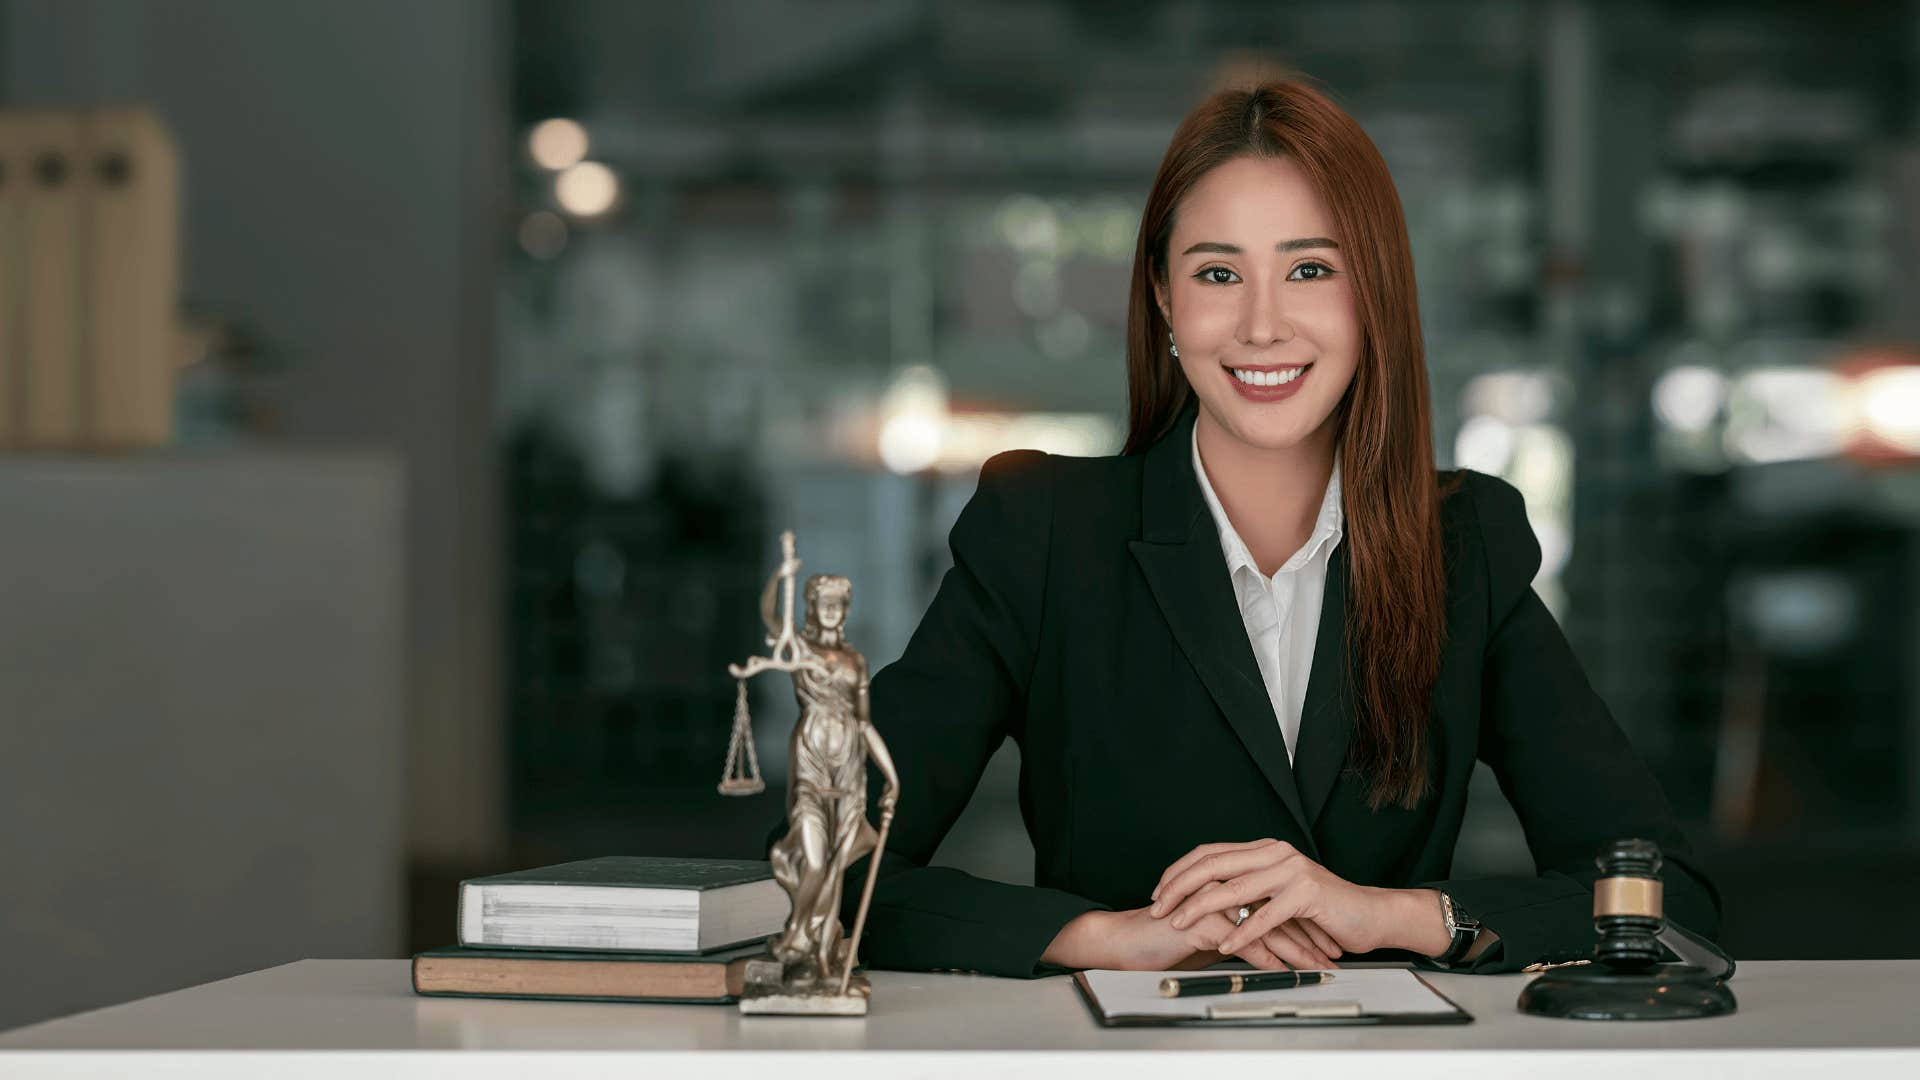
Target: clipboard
{"type": "Point", "coordinates": [1368, 997]}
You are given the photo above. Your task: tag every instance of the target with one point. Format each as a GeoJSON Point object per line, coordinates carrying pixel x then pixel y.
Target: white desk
{"type": "Point", "coordinates": [360, 1017]}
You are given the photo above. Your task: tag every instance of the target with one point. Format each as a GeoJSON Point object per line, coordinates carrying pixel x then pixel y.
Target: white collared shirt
{"type": "Point", "coordinates": [1281, 613]}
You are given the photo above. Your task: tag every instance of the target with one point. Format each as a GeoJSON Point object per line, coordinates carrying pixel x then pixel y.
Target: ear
{"type": "Point", "coordinates": [1161, 298]}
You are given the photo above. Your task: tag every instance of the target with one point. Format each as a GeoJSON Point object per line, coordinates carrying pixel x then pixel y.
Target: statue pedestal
{"type": "Point", "coordinates": [766, 994]}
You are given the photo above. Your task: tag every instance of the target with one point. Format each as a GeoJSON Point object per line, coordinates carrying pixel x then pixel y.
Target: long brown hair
{"type": "Point", "coordinates": [1396, 619]}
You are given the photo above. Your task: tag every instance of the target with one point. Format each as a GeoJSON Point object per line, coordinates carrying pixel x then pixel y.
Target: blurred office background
{"type": "Point", "coordinates": [504, 336]}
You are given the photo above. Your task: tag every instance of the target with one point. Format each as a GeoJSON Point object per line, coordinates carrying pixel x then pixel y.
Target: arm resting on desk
{"type": "Point", "coordinates": [944, 708]}
{"type": "Point", "coordinates": [1569, 771]}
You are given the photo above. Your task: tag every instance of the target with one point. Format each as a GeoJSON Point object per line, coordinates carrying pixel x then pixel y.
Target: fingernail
{"type": "Point", "coordinates": [1154, 910]}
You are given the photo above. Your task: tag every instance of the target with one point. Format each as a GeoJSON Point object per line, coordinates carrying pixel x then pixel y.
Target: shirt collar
{"type": "Point", "coordinates": [1328, 527]}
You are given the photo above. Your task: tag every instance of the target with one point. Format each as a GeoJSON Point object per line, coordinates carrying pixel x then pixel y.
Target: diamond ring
{"type": "Point", "coordinates": [1241, 915]}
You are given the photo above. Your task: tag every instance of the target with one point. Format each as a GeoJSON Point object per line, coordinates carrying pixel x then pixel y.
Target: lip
{"type": "Point", "coordinates": [1268, 393]}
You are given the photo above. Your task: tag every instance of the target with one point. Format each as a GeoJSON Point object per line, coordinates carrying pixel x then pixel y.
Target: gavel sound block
{"type": "Point", "coordinates": [1626, 980]}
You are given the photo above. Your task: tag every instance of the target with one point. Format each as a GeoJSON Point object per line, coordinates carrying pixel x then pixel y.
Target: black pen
{"type": "Point", "coordinates": [1238, 983]}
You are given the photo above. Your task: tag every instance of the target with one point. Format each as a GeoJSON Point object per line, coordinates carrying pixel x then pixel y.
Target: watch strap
{"type": "Point", "coordinates": [1463, 928]}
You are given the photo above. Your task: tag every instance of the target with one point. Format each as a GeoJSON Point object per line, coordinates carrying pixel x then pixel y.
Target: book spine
{"type": "Point", "coordinates": [13, 238]}
{"type": "Point", "coordinates": [581, 997]}
{"type": "Point", "coordinates": [467, 928]}
{"type": "Point", "coordinates": [545, 980]}
{"type": "Point", "coordinates": [50, 398]}
{"type": "Point", "coordinates": [130, 176]}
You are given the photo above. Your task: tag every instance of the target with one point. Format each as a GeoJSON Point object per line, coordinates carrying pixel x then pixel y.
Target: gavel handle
{"type": "Point", "coordinates": [1693, 949]}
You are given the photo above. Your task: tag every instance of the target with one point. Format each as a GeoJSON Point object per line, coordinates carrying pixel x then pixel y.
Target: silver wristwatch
{"type": "Point", "coordinates": [1463, 928]}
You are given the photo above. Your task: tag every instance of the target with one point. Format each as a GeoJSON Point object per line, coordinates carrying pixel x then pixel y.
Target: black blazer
{"type": "Point", "coordinates": [1089, 615]}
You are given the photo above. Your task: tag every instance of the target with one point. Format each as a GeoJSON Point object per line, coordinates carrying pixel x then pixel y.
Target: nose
{"type": "Point", "coordinates": [1263, 319]}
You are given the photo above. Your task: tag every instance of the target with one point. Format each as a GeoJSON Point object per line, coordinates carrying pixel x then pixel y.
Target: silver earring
{"type": "Point", "coordinates": [1171, 347]}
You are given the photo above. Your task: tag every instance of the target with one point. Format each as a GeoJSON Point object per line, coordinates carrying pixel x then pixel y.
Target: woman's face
{"type": "Point", "coordinates": [1257, 284]}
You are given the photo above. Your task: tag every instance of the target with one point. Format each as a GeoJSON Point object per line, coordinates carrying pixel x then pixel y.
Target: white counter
{"type": "Point", "coordinates": [336, 1017]}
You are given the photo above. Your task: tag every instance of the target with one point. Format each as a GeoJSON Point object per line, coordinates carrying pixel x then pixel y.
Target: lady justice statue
{"type": "Point", "coordinates": [811, 970]}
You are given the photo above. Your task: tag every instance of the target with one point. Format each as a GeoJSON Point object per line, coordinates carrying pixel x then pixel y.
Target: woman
{"type": "Point", "coordinates": [1251, 661]}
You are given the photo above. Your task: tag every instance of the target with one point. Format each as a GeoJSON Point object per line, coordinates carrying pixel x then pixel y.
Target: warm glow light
{"type": "Point", "coordinates": [972, 438]}
{"type": "Point", "coordinates": [918, 430]}
{"type": "Point", "coordinates": [587, 189]}
{"type": "Point", "coordinates": [910, 442]}
{"type": "Point", "coordinates": [913, 419]}
{"type": "Point", "coordinates": [1889, 403]}
{"type": "Point", "coordinates": [557, 144]}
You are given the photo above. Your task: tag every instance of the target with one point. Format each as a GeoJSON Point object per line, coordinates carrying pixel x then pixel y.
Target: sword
{"type": "Point", "coordinates": [866, 897]}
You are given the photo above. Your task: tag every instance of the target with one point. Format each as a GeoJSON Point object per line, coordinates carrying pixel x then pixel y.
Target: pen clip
{"type": "Point", "coordinates": [1274, 1011]}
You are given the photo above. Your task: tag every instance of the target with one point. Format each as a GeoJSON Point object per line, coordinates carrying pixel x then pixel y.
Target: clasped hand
{"type": "Point", "coordinates": [1303, 915]}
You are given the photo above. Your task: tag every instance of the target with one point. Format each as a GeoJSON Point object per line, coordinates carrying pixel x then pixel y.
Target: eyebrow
{"type": "Point", "coordinates": [1283, 246]}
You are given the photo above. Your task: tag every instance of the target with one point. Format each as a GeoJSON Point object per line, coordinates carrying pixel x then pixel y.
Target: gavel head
{"type": "Point", "coordinates": [1627, 905]}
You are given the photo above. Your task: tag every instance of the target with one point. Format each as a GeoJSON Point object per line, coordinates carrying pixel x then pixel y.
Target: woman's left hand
{"type": "Point", "coordinates": [1224, 877]}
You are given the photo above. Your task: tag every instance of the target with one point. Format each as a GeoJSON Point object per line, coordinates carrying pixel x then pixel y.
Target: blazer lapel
{"type": "Point", "coordinates": [1179, 552]}
{"type": "Point", "coordinates": [1326, 717]}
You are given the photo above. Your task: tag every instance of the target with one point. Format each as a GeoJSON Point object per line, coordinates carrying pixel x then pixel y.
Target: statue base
{"type": "Point", "coordinates": [1666, 992]}
{"type": "Point", "coordinates": [768, 994]}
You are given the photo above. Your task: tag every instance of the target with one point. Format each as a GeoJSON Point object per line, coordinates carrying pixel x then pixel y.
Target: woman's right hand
{"type": "Point", "coordinates": [1136, 941]}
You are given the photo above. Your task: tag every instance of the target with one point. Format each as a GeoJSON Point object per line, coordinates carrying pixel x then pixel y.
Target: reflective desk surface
{"type": "Point", "coordinates": [333, 1017]}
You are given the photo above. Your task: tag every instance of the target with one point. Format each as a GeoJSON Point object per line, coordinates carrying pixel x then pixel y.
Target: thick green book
{"type": "Point", "coordinates": [557, 975]}
{"type": "Point", "coordinates": [625, 903]}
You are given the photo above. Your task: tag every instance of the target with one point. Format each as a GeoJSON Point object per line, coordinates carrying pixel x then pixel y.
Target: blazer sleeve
{"type": "Point", "coordinates": [1568, 770]}
{"type": "Point", "coordinates": [943, 709]}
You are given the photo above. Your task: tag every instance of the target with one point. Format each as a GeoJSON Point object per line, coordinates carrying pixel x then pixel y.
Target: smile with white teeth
{"type": "Point", "coordinates": [1267, 378]}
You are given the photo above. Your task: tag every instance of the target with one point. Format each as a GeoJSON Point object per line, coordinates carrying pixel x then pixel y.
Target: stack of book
{"type": "Point", "coordinates": [620, 928]}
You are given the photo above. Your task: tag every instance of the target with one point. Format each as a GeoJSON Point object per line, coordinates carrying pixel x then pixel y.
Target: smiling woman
{"type": "Point", "coordinates": [1241, 257]}
{"type": "Point", "coordinates": [1252, 661]}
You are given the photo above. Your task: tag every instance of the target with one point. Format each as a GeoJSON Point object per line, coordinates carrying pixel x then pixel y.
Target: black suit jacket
{"type": "Point", "coordinates": [1089, 616]}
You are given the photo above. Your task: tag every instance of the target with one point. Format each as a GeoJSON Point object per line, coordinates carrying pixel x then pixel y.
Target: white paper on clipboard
{"type": "Point", "coordinates": [1382, 992]}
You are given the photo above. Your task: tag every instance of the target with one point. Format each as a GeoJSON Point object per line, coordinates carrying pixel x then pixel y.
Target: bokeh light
{"type": "Point", "coordinates": [588, 189]}
{"type": "Point", "coordinates": [558, 143]}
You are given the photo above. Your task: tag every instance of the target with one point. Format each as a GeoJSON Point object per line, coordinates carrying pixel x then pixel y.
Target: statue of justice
{"type": "Point", "coordinates": [811, 968]}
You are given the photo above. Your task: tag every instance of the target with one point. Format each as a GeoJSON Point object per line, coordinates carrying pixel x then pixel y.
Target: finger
{"type": "Point", "coordinates": [1219, 866]}
{"type": "Point", "coordinates": [1257, 954]}
{"type": "Point", "coordinates": [1290, 951]}
{"type": "Point", "coordinates": [1184, 862]}
{"type": "Point", "coordinates": [1321, 939]}
{"type": "Point", "coordinates": [1212, 898]}
{"type": "Point", "coordinates": [1292, 930]}
{"type": "Point", "coordinates": [1208, 933]}
{"type": "Point", "coordinates": [1251, 890]}
{"type": "Point", "coordinates": [1280, 907]}
{"type": "Point", "coordinates": [1295, 954]}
